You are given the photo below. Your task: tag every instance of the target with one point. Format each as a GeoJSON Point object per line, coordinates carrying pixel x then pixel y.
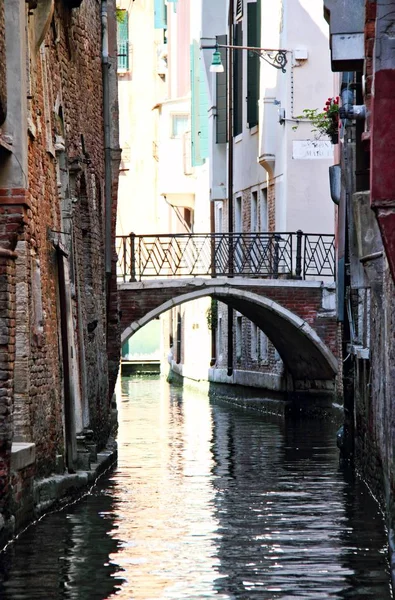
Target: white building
{"type": "Point", "coordinates": [278, 174]}
{"type": "Point", "coordinates": [275, 175]}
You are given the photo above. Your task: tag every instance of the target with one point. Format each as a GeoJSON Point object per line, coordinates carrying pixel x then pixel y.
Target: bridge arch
{"type": "Point", "coordinates": [303, 352]}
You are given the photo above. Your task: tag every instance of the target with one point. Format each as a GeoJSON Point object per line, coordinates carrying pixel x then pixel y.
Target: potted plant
{"type": "Point", "coordinates": [325, 122]}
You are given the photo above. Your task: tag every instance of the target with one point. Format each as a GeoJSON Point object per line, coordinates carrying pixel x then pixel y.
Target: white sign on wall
{"type": "Point", "coordinates": [311, 149]}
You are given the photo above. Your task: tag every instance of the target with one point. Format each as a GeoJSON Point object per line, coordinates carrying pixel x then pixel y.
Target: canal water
{"type": "Point", "coordinates": [208, 501]}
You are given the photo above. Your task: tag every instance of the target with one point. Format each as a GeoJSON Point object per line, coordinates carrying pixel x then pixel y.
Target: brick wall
{"type": "Point", "coordinates": [7, 355]}
{"type": "Point", "coordinates": [59, 211]}
{"type": "Point", "coordinates": [3, 67]}
{"type": "Point", "coordinates": [302, 301]}
{"type": "Point", "coordinates": [271, 206]}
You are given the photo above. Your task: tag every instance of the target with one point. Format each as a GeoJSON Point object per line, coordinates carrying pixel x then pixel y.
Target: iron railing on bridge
{"type": "Point", "coordinates": [266, 255]}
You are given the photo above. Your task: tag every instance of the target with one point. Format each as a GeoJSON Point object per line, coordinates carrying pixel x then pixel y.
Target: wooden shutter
{"type": "Point", "coordinates": [238, 82]}
{"type": "Point", "coordinates": [253, 62]}
{"type": "Point", "coordinates": [160, 14]}
{"type": "Point", "coordinates": [199, 108]}
{"type": "Point", "coordinates": [123, 41]}
{"type": "Point", "coordinates": [239, 9]}
{"type": "Point", "coordinates": [222, 96]}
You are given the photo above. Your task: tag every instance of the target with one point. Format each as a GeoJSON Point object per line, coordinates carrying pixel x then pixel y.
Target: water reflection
{"type": "Point", "coordinates": [208, 502]}
{"type": "Point", "coordinates": [64, 554]}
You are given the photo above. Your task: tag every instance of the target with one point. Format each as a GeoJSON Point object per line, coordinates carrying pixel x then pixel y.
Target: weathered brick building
{"type": "Point", "coordinates": [362, 47]}
{"type": "Point", "coordinates": [59, 161]}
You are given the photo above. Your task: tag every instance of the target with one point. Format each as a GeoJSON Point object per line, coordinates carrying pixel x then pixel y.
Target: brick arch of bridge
{"type": "Point", "coordinates": [306, 354]}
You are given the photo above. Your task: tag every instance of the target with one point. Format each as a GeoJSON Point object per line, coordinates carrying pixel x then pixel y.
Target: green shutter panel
{"type": "Point", "coordinates": [199, 108]}
{"type": "Point", "coordinates": [203, 111]}
{"type": "Point", "coordinates": [123, 42]}
{"type": "Point", "coordinates": [160, 14]}
{"type": "Point", "coordinates": [194, 110]}
{"type": "Point", "coordinates": [253, 63]}
{"type": "Point", "coordinates": [222, 96]}
{"type": "Point", "coordinates": [238, 82]}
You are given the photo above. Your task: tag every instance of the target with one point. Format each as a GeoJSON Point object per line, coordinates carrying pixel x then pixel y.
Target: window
{"type": "Point", "coordinates": [254, 342]}
{"type": "Point", "coordinates": [123, 41]}
{"type": "Point", "coordinates": [219, 335]}
{"type": "Point", "coordinates": [179, 125]}
{"type": "Point", "coordinates": [263, 347]}
{"type": "Point", "coordinates": [239, 337]}
{"type": "Point", "coordinates": [238, 215]}
{"type": "Point", "coordinates": [188, 218]}
{"type": "Point", "coordinates": [238, 241]}
{"type": "Point", "coordinates": [263, 210]}
{"type": "Point", "coordinates": [219, 219]}
{"type": "Point", "coordinates": [254, 212]}
{"type": "Point", "coordinates": [179, 338]}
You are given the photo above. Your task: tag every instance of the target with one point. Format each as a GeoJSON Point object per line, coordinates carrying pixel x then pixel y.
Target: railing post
{"type": "Point", "coordinates": [276, 256]}
{"type": "Point", "coordinates": [231, 249]}
{"type": "Point", "coordinates": [124, 258]}
{"type": "Point", "coordinates": [132, 257]}
{"type": "Point", "coordinates": [298, 266]}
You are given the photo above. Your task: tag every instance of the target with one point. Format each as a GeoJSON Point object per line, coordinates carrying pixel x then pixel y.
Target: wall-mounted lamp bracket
{"type": "Point", "coordinates": [276, 58]}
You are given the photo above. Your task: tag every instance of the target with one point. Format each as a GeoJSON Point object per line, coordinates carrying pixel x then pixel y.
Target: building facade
{"type": "Point", "coordinates": [267, 171]}
{"type": "Point", "coordinates": [362, 54]}
{"type": "Point", "coordinates": [259, 172]}
{"type": "Point", "coordinates": [59, 161]}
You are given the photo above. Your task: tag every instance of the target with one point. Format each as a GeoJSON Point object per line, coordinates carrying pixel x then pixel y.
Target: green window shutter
{"type": "Point", "coordinates": [222, 96]}
{"type": "Point", "coordinates": [253, 62]}
{"type": "Point", "coordinates": [199, 108]}
{"type": "Point", "coordinates": [160, 14]}
{"type": "Point", "coordinates": [203, 111]}
{"type": "Point", "coordinates": [238, 82]}
{"type": "Point", "coordinates": [123, 41]}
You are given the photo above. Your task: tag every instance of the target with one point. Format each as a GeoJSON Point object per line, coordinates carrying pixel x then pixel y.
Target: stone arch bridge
{"type": "Point", "coordinates": [297, 316]}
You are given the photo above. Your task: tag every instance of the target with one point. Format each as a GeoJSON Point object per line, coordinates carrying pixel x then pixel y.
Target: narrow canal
{"type": "Point", "coordinates": [208, 501]}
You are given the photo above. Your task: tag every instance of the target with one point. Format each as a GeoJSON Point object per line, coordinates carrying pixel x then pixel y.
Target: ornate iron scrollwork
{"type": "Point", "coordinates": [275, 58]}
{"type": "Point", "coordinates": [264, 255]}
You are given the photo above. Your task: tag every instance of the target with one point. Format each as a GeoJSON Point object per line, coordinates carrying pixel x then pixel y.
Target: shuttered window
{"type": "Point", "coordinates": [123, 40]}
{"type": "Point", "coordinates": [253, 62]}
{"type": "Point", "coordinates": [160, 14]}
{"type": "Point", "coordinates": [239, 9]}
{"type": "Point", "coordinates": [199, 108]}
{"type": "Point", "coordinates": [238, 82]}
{"type": "Point", "coordinates": [222, 94]}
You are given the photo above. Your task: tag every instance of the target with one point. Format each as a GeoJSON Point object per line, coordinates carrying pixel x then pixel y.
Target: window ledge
{"type": "Point", "coordinates": [254, 130]}
{"type": "Point", "coordinates": [238, 138]}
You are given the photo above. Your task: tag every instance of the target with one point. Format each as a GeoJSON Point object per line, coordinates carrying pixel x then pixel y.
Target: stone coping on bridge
{"type": "Point", "coordinates": [224, 281]}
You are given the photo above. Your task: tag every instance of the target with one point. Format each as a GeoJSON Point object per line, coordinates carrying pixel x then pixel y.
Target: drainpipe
{"type": "Point", "coordinates": [230, 178]}
{"type": "Point", "coordinates": [107, 139]}
{"type": "Point", "coordinates": [347, 96]}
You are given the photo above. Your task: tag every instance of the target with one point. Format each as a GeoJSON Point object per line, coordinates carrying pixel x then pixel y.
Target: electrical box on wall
{"type": "Point", "coordinates": [300, 54]}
